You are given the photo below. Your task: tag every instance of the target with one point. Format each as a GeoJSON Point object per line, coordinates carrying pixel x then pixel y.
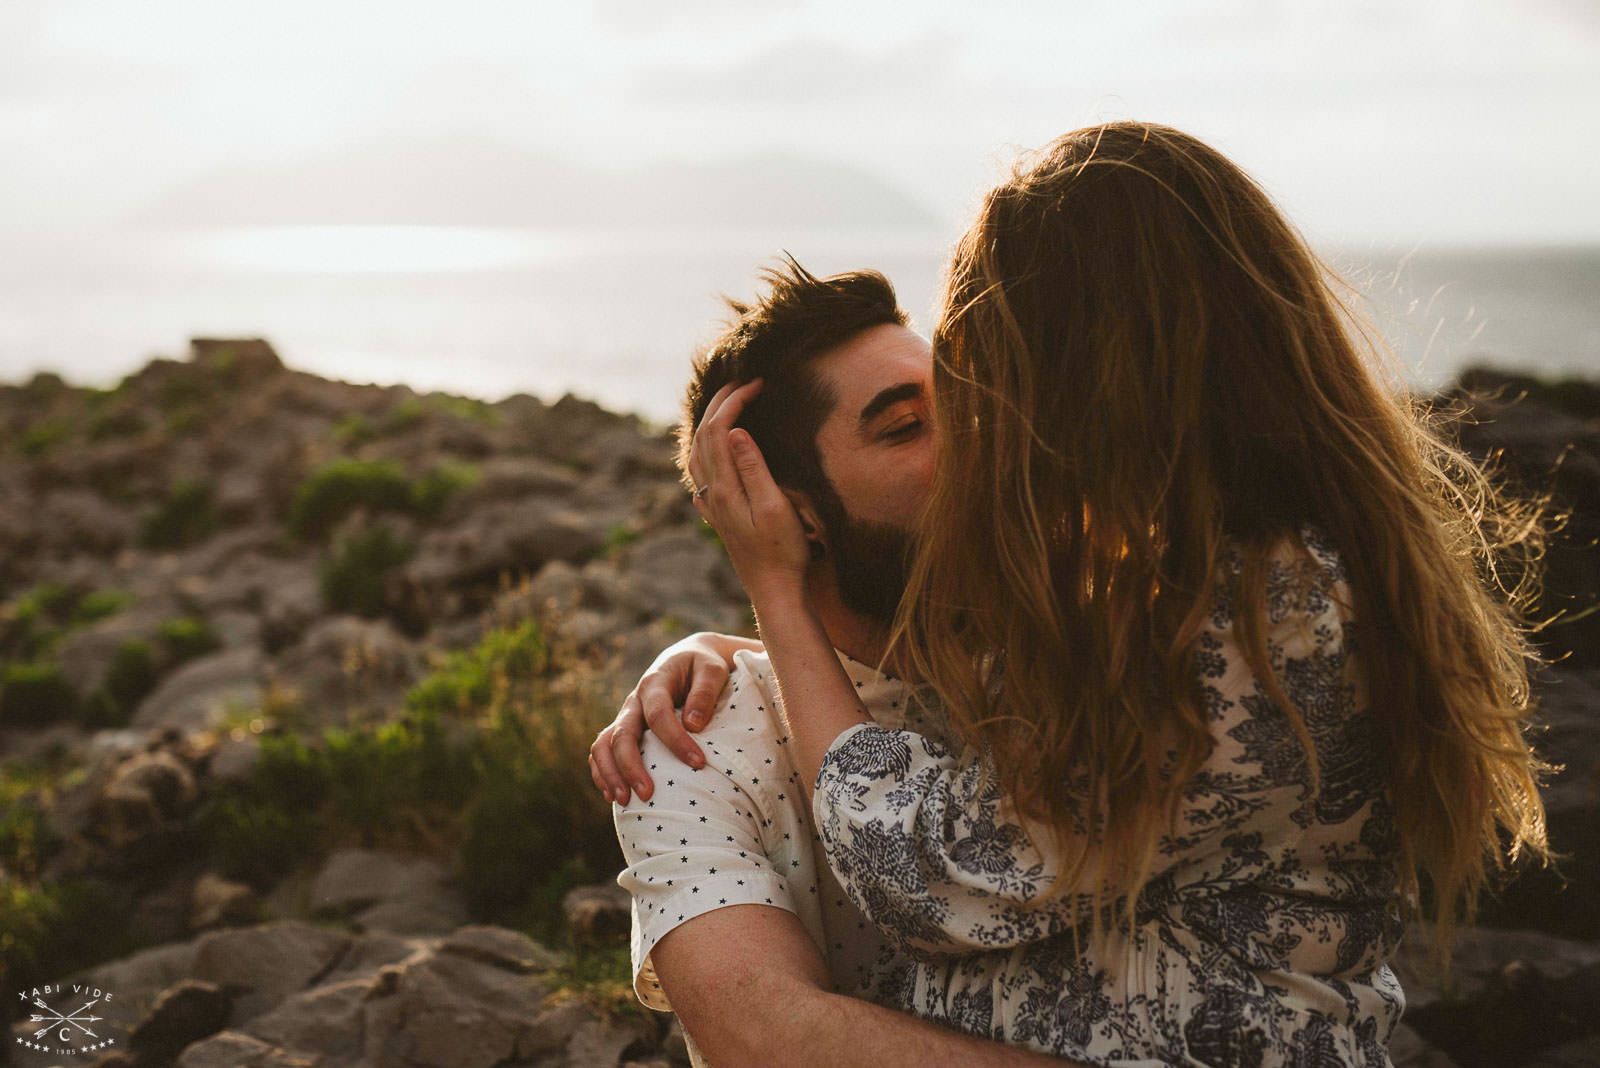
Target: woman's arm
{"type": "Point", "coordinates": [691, 673]}
{"type": "Point", "coordinates": [924, 843]}
{"type": "Point", "coordinates": [763, 535]}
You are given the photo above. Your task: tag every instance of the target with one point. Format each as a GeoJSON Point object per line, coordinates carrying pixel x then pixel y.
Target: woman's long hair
{"type": "Point", "coordinates": [1140, 361]}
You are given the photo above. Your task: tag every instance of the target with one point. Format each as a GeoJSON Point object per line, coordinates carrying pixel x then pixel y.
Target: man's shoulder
{"type": "Point", "coordinates": [746, 707]}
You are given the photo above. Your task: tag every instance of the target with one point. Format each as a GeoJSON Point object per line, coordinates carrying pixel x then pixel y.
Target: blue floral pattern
{"type": "Point", "coordinates": [1262, 938]}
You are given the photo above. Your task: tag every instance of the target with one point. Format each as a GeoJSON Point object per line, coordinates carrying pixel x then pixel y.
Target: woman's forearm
{"type": "Point", "coordinates": [818, 700]}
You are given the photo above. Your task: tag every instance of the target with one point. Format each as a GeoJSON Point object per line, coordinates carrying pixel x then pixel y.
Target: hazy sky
{"type": "Point", "coordinates": [1431, 120]}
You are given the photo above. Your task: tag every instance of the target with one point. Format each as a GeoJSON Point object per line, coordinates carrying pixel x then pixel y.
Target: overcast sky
{"type": "Point", "coordinates": [1402, 120]}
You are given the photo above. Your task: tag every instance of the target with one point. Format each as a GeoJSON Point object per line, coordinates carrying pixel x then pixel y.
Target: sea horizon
{"type": "Point", "coordinates": [614, 314]}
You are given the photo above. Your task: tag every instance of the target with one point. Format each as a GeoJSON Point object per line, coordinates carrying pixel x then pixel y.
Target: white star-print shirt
{"type": "Point", "coordinates": [738, 831]}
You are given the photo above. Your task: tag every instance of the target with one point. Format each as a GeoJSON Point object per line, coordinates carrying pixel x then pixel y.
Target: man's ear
{"type": "Point", "coordinates": [810, 520]}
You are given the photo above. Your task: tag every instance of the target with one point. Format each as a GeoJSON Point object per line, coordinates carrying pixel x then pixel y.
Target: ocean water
{"type": "Point", "coordinates": [616, 316]}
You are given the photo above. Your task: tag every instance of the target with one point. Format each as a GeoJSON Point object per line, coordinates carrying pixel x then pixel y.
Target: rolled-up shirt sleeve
{"type": "Point", "coordinates": [693, 847]}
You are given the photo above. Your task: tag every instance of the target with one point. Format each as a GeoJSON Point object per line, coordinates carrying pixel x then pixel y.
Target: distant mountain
{"type": "Point", "coordinates": [470, 182]}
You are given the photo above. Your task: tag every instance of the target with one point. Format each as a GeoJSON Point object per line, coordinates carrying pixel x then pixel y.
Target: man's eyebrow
{"type": "Point", "coordinates": [886, 397]}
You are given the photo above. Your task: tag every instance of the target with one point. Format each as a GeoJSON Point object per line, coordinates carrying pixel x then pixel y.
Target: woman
{"type": "Point", "coordinates": [1206, 605]}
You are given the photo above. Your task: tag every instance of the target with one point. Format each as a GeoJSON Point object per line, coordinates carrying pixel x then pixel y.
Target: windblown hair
{"type": "Point", "coordinates": [798, 318]}
{"type": "Point", "coordinates": [1139, 363]}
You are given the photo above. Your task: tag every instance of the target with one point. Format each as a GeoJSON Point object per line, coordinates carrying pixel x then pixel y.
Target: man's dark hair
{"type": "Point", "coordinates": [799, 318]}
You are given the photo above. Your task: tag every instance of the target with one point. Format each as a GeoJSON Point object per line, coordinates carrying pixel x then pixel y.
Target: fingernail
{"type": "Point", "coordinates": [697, 760]}
{"type": "Point", "coordinates": [639, 786]}
{"type": "Point", "coordinates": [695, 719]}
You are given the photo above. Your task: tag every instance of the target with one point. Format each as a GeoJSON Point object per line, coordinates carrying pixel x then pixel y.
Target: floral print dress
{"type": "Point", "coordinates": [1263, 937]}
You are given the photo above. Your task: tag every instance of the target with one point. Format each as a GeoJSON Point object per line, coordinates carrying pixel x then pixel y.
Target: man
{"type": "Point", "coordinates": [739, 925]}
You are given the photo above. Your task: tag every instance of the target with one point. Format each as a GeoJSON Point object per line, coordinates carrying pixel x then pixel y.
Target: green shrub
{"type": "Point", "coordinates": [340, 486]}
{"type": "Point", "coordinates": [48, 600]}
{"type": "Point", "coordinates": [353, 579]}
{"type": "Point", "coordinates": [618, 538]}
{"type": "Point", "coordinates": [115, 423]}
{"type": "Point", "coordinates": [186, 637]}
{"type": "Point", "coordinates": [466, 409]}
{"type": "Point", "coordinates": [129, 679]}
{"type": "Point", "coordinates": [601, 978]}
{"type": "Point", "coordinates": [469, 682]}
{"type": "Point", "coordinates": [35, 693]}
{"type": "Point", "coordinates": [507, 792]}
{"type": "Point", "coordinates": [44, 436]}
{"type": "Point", "coordinates": [56, 929]}
{"type": "Point", "coordinates": [186, 419]}
{"type": "Point", "coordinates": [25, 836]}
{"type": "Point", "coordinates": [98, 604]}
{"type": "Point", "coordinates": [182, 518]}
{"type": "Point", "coordinates": [431, 492]}
{"type": "Point", "coordinates": [403, 416]}
{"type": "Point", "coordinates": [353, 431]}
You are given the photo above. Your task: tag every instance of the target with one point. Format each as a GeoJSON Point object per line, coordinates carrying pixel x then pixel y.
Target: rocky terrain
{"type": "Point", "coordinates": [296, 679]}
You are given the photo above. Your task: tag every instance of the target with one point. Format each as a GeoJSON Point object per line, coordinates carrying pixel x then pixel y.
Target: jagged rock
{"type": "Point", "coordinates": [1509, 994]}
{"type": "Point", "coordinates": [676, 1045]}
{"type": "Point", "coordinates": [388, 891]}
{"type": "Point", "coordinates": [240, 360]}
{"type": "Point", "coordinates": [143, 794]}
{"type": "Point", "coordinates": [289, 607]}
{"type": "Point", "coordinates": [258, 582]}
{"type": "Point", "coordinates": [554, 1027]}
{"type": "Point", "coordinates": [598, 914]}
{"type": "Point", "coordinates": [263, 965]}
{"type": "Point", "coordinates": [513, 536]}
{"type": "Point", "coordinates": [162, 914]}
{"type": "Point", "coordinates": [198, 694]}
{"type": "Point", "coordinates": [86, 654]}
{"type": "Point", "coordinates": [500, 947]}
{"type": "Point", "coordinates": [80, 520]}
{"type": "Point", "coordinates": [373, 951]}
{"type": "Point", "coordinates": [215, 901]}
{"type": "Point", "coordinates": [345, 665]}
{"type": "Point", "coordinates": [184, 1013]}
{"type": "Point", "coordinates": [137, 981]}
{"type": "Point", "coordinates": [603, 1043]}
{"type": "Point", "coordinates": [682, 574]}
{"type": "Point", "coordinates": [513, 478]}
{"type": "Point", "coordinates": [448, 1011]}
{"type": "Point", "coordinates": [234, 758]}
{"type": "Point", "coordinates": [1407, 1049]}
{"type": "Point", "coordinates": [325, 1020]}
{"type": "Point", "coordinates": [234, 1049]}
{"type": "Point", "coordinates": [1567, 903]}
{"type": "Point", "coordinates": [235, 628]}
{"type": "Point", "coordinates": [1579, 1053]}
{"type": "Point", "coordinates": [436, 914]}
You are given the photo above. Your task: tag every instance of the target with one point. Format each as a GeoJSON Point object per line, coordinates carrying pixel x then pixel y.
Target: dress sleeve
{"type": "Point", "coordinates": [925, 844]}
{"type": "Point", "coordinates": [918, 839]}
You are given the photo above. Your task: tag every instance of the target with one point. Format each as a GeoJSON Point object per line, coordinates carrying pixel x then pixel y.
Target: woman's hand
{"type": "Point", "coordinates": [689, 673]}
{"type": "Point", "coordinates": [735, 493]}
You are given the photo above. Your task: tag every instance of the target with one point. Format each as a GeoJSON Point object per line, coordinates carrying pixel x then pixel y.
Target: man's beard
{"type": "Point", "coordinates": [871, 562]}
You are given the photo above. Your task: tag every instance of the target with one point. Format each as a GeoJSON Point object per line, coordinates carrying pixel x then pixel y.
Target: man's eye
{"type": "Point", "coordinates": [903, 430]}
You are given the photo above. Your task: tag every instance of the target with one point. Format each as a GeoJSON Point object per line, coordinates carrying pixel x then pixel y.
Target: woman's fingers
{"type": "Point", "coordinates": [630, 762]}
{"type": "Point", "coordinates": [602, 759]}
{"type": "Point", "coordinates": [710, 675]}
{"type": "Point", "coordinates": [710, 463]}
{"type": "Point", "coordinates": [661, 716]}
